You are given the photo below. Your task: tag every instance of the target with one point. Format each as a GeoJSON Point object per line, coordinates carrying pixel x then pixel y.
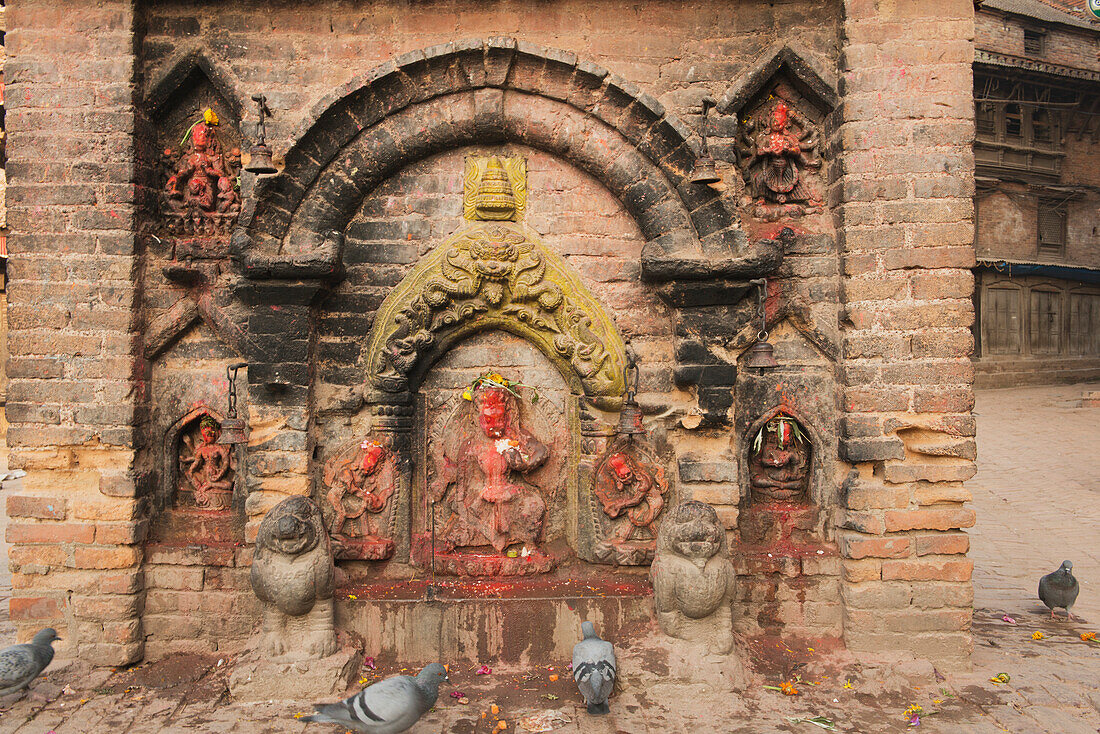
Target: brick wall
{"type": "Point", "coordinates": [75, 393]}
{"type": "Point", "coordinates": [907, 128]}
{"type": "Point", "coordinates": [1062, 44]}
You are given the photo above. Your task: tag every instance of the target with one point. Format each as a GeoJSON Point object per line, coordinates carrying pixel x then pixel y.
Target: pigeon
{"type": "Point", "coordinates": [594, 669]}
{"type": "Point", "coordinates": [387, 707]}
{"type": "Point", "coordinates": [1059, 589]}
{"type": "Point", "coordinates": [20, 664]}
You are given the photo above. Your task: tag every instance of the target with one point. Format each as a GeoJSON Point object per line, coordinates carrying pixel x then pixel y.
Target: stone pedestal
{"type": "Point", "coordinates": [257, 679]}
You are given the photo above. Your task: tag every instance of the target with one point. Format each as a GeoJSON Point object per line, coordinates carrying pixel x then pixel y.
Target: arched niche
{"type": "Point", "coordinates": [496, 275]}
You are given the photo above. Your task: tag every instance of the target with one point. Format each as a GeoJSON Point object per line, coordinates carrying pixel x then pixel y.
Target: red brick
{"type": "Point", "coordinates": [857, 547]}
{"type": "Point", "coordinates": [107, 556]}
{"type": "Point", "coordinates": [928, 569]}
{"type": "Point", "coordinates": [930, 518]}
{"type": "Point", "coordinates": [46, 508]}
{"type": "Point", "coordinates": [33, 607]}
{"type": "Point", "coordinates": [50, 532]}
{"type": "Point", "coordinates": [944, 544]}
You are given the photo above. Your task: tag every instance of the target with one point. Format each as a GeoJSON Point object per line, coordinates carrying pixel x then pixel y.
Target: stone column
{"type": "Point", "coordinates": [77, 388]}
{"type": "Point", "coordinates": [902, 188]}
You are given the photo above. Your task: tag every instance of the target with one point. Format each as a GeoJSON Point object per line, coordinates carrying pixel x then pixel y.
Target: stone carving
{"type": "Point", "coordinates": [779, 462]}
{"type": "Point", "coordinates": [200, 197]}
{"type": "Point", "coordinates": [293, 575]}
{"type": "Point", "coordinates": [630, 485]}
{"type": "Point", "coordinates": [207, 465]}
{"type": "Point", "coordinates": [361, 479]}
{"type": "Point", "coordinates": [495, 189]}
{"type": "Point", "coordinates": [693, 579]}
{"type": "Point", "coordinates": [496, 274]}
{"type": "Point", "coordinates": [484, 498]}
{"type": "Point", "coordinates": [774, 157]}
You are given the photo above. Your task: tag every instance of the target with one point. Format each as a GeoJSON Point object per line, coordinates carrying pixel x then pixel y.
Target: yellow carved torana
{"type": "Point", "coordinates": [496, 275]}
{"type": "Point", "coordinates": [494, 189]}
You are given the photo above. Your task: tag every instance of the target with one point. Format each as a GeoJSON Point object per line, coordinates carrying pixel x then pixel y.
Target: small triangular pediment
{"type": "Point", "coordinates": [788, 60]}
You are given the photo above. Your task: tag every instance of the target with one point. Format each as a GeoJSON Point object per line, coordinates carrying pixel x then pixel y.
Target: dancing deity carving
{"type": "Point", "coordinates": [630, 485]}
{"type": "Point", "coordinates": [775, 155]}
{"type": "Point", "coordinates": [481, 485]}
{"type": "Point", "coordinates": [207, 465]}
{"type": "Point", "coordinates": [200, 197]}
{"type": "Point", "coordinates": [360, 483]}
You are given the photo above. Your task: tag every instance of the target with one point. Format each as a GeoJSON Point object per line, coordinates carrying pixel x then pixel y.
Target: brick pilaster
{"type": "Point", "coordinates": [77, 384]}
{"type": "Point", "coordinates": [902, 186]}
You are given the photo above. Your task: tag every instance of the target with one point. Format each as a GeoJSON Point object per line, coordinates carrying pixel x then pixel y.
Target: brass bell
{"type": "Point", "coordinates": [630, 419]}
{"type": "Point", "coordinates": [762, 356]}
{"type": "Point", "coordinates": [234, 431]}
{"type": "Point", "coordinates": [703, 171]}
{"type": "Point", "coordinates": [260, 162]}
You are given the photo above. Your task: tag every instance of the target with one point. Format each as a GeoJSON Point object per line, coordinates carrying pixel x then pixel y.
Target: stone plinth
{"type": "Point", "coordinates": [257, 679]}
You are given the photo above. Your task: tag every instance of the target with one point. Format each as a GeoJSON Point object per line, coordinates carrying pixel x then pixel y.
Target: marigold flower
{"type": "Point", "coordinates": [1037, 636]}
{"type": "Point", "coordinates": [1088, 636]}
{"type": "Point", "coordinates": [788, 688]}
{"type": "Point", "coordinates": [210, 117]}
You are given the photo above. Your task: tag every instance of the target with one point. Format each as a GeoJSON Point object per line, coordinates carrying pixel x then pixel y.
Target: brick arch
{"type": "Point", "coordinates": [488, 91]}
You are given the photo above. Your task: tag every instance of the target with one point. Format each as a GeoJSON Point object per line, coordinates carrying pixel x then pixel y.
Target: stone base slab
{"type": "Point", "coordinates": [257, 679]}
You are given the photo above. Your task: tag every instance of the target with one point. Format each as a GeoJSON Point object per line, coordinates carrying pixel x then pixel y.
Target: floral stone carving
{"type": "Point", "coordinates": [480, 495]}
{"type": "Point", "coordinates": [200, 198]}
{"type": "Point", "coordinates": [631, 486]}
{"type": "Point", "coordinates": [207, 466]}
{"type": "Point", "coordinates": [294, 577]}
{"type": "Point", "coordinates": [361, 479]}
{"type": "Point", "coordinates": [776, 149]}
{"type": "Point", "coordinates": [693, 579]}
{"type": "Point", "coordinates": [779, 462]}
{"type": "Point", "coordinates": [496, 274]}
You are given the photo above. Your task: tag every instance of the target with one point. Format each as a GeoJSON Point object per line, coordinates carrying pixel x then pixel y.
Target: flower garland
{"type": "Point", "coordinates": [495, 379]}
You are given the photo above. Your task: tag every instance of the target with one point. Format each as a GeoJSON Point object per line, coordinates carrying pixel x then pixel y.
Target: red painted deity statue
{"type": "Point", "coordinates": [208, 466]}
{"type": "Point", "coordinates": [359, 489]}
{"type": "Point", "coordinates": [200, 194]}
{"type": "Point", "coordinates": [774, 162]}
{"type": "Point", "coordinates": [779, 467]}
{"type": "Point", "coordinates": [631, 488]}
{"type": "Point", "coordinates": [482, 486]}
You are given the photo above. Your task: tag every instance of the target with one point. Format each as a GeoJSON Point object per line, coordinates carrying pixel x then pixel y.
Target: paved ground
{"type": "Point", "coordinates": [1036, 495]}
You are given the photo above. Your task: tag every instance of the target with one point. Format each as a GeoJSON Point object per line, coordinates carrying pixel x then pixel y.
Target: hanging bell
{"type": "Point", "coordinates": [234, 431]}
{"type": "Point", "coordinates": [703, 171]}
{"type": "Point", "coordinates": [260, 162]}
{"type": "Point", "coordinates": [630, 419]}
{"type": "Point", "coordinates": [762, 356]}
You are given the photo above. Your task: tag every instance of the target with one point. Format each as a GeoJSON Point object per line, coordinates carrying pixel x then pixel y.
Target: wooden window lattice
{"type": "Point", "coordinates": [1052, 227]}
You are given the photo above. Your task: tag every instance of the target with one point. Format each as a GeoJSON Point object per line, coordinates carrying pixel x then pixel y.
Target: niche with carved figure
{"type": "Point", "coordinates": [206, 468]}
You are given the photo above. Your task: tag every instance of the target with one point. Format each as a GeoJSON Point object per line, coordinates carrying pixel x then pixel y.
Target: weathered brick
{"type": "Point", "coordinates": [45, 508]}
{"type": "Point", "coordinates": [930, 518]}
{"type": "Point", "coordinates": [928, 568]}
{"type": "Point", "coordinates": [856, 547]}
{"type": "Point", "coordinates": [22, 608]}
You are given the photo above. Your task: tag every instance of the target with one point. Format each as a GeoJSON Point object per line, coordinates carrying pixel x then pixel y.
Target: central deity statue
{"type": "Point", "coordinates": [482, 483]}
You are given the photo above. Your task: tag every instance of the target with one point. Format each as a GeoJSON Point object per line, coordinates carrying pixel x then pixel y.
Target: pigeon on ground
{"type": "Point", "coordinates": [21, 664]}
{"type": "Point", "coordinates": [389, 706]}
{"type": "Point", "coordinates": [1059, 589]}
{"type": "Point", "coordinates": [594, 669]}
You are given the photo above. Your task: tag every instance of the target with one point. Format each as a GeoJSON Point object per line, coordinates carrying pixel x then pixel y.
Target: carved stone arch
{"type": "Point", "coordinates": [446, 298]}
{"type": "Point", "coordinates": [496, 90]}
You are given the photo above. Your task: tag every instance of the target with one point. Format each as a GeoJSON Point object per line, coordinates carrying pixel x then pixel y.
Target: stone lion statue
{"type": "Point", "coordinates": [693, 579]}
{"type": "Point", "coordinates": [293, 575]}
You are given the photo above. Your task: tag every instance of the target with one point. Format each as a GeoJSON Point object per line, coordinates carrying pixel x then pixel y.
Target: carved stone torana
{"type": "Point", "coordinates": [201, 197]}
{"type": "Point", "coordinates": [495, 189]}
{"type": "Point", "coordinates": [496, 275]}
{"type": "Point", "coordinates": [293, 576]}
{"type": "Point", "coordinates": [693, 579]}
{"type": "Point", "coordinates": [777, 147]}
{"type": "Point", "coordinates": [206, 466]}
{"type": "Point", "coordinates": [484, 508]}
{"type": "Point", "coordinates": [631, 486]}
{"type": "Point", "coordinates": [360, 481]}
{"type": "Point", "coordinates": [779, 461]}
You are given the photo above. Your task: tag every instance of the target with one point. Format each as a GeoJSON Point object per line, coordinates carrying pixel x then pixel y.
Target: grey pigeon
{"type": "Point", "coordinates": [20, 664]}
{"type": "Point", "coordinates": [387, 707]}
{"type": "Point", "coordinates": [594, 669]}
{"type": "Point", "coordinates": [1059, 589]}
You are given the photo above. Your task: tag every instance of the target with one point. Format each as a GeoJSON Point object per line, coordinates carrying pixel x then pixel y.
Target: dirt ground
{"type": "Point", "coordinates": [1036, 499]}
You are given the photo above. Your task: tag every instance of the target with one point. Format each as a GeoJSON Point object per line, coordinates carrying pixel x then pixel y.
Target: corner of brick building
{"type": "Point", "coordinates": [903, 186]}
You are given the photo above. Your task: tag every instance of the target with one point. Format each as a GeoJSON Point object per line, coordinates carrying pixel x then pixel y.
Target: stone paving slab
{"type": "Point", "coordinates": [1035, 494]}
